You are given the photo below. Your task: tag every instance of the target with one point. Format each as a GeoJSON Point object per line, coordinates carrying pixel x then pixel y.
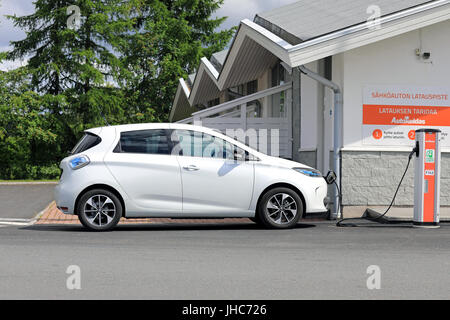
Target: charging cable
{"type": "Point", "coordinates": [340, 224]}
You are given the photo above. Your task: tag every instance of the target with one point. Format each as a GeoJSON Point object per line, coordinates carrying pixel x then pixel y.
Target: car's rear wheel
{"type": "Point", "coordinates": [280, 208]}
{"type": "Point", "coordinates": [99, 210]}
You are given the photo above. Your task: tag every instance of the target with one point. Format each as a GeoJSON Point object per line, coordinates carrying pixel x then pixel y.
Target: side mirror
{"type": "Point", "coordinates": [330, 178]}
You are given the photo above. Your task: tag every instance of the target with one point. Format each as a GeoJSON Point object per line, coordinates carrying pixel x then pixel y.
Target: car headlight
{"type": "Point", "coordinates": [79, 162]}
{"type": "Point", "coordinates": [309, 172]}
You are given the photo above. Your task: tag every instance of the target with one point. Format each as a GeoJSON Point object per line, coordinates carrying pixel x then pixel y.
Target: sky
{"type": "Point", "coordinates": [235, 10]}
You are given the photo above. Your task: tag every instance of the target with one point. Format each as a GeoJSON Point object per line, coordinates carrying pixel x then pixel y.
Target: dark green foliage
{"type": "Point", "coordinates": [167, 42]}
{"type": "Point", "coordinates": [122, 64]}
{"type": "Point", "coordinates": [30, 136]}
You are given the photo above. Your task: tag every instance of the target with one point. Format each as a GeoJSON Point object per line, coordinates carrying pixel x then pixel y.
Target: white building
{"type": "Point", "coordinates": [390, 72]}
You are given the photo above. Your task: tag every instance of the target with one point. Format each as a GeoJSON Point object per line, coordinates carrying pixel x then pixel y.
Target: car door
{"type": "Point", "coordinates": [214, 183]}
{"type": "Point", "coordinates": [144, 168]}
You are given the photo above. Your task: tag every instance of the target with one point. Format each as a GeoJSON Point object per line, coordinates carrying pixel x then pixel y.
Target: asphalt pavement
{"type": "Point", "coordinates": [224, 261]}
{"type": "Point", "coordinates": [24, 200]}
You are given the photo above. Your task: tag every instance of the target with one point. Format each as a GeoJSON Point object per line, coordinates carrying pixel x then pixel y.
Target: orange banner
{"type": "Point", "coordinates": [406, 115]}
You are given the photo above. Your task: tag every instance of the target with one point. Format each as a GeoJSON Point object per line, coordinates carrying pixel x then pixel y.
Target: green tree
{"type": "Point", "coordinates": [121, 62]}
{"type": "Point", "coordinates": [169, 38]}
{"type": "Point", "coordinates": [27, 131]}
{"type": "Point", "coordinates": [78, 63]}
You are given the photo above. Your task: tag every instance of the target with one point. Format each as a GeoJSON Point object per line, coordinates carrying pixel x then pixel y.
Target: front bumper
{"type": "Point", "coordinates": [317, 196]}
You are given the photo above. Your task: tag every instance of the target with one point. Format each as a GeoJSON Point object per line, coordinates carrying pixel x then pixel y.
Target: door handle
{"type": "Point", "coordinates": [191, 168]}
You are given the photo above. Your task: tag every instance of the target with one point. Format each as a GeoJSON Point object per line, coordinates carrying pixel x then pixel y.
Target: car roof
{"type": "Point", "coordinates": [145, 126]}
{"type": "Point", "coordinates": [179, 126]}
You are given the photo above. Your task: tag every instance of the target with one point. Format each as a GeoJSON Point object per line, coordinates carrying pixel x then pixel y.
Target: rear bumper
{"type": "Point", "coordinates": [64, 198]}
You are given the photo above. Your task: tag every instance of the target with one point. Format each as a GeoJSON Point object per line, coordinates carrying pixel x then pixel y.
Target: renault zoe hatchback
{"type": "Point", "coordinates": [179, 171]}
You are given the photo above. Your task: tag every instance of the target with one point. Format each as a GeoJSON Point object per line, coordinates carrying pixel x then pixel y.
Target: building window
{"type": "Point", "coordinates": [214, 102]}
{"type": "Point", "coordinates": [252, 87]}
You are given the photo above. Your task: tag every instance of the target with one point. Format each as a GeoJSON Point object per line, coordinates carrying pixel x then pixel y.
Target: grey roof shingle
{"type": "Point", "coordinates": [191, 79]}
{"type": "Point", "coordinates": [306, 19]}
{"type": "Point", "coordinates": [218, 59]}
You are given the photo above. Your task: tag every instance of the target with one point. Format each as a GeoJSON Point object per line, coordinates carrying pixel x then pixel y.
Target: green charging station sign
{"type": "Point", "coordinates": [429, 156]}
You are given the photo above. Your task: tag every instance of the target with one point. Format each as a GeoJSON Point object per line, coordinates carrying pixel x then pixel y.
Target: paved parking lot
{"type": "Point", "coordinates": [224, 261]}
{"type": "Point", "coordinates": [213, 259]}
{"type": "Point", "coordinates": [24, 200]}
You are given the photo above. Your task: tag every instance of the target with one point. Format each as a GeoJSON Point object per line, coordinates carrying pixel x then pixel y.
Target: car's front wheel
{"type": "Point", "coordinates": [280, 208]}
{"type": "Point", "coordinates": [99, 210]}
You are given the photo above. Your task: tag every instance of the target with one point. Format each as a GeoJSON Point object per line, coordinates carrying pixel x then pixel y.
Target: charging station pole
{"type": "Point", "coordinates": [427, 178]}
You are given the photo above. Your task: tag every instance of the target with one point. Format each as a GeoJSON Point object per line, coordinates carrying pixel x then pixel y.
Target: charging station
{"type": "Point", "coordinates": [427, 178]}
{"type": "Point", "coordinates": [426, 183]}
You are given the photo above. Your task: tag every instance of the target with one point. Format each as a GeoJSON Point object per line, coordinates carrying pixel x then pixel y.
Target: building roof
{"type": "Point", "coordinates": [258, 45]}
{"type": "Point", "coordinates": [218, 59]}
{"type": "Point", "coordinates": [304, 20]}
{"type": "Point", "coordinates": [191, 78]}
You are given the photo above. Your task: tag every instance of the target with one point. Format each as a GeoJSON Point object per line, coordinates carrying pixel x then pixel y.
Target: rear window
{"type": "Point", "coordinates": [144, 141]}
{"type": "Point", "coordinates": [88, 141]}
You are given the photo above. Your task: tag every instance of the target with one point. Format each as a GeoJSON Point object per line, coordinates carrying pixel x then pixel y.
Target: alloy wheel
{"type": "Point", "coordinates": [99, 210]}
{"type": "Point", "coordinates": [281, 208]}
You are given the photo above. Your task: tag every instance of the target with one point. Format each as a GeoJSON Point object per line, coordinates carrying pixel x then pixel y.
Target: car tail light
{"type": "Point", "coordinates": [79, 162]}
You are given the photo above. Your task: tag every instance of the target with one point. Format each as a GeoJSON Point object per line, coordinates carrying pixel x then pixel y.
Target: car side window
{"type": "Point", "coordinates": [198, 144]}
{"type": "Point", "coordinates": [183, 143]}
{"type": "Point", "coordinates": [88, 141]}
{"type": "Point", "coordinates": [213, 147]}
{"type": "Point", "coordinates": [154, 141]}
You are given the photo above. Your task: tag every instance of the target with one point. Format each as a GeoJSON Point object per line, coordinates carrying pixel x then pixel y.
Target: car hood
{"type": "Point", "coordinates": [284, 163]}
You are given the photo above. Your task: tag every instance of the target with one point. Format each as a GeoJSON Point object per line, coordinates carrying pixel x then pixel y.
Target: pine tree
{"type": "Point", "coordinates": [122, 61]}
{"type": "Point", "coordinates": [77, 62]}
{"type": "Point", "coordinates": [44, 45]}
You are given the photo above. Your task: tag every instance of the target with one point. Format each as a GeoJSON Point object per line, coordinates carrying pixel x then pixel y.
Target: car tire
{"type": "Point", "coordinates": [280, 208]}
{"type": "Point", "coordinates": [99, 210]}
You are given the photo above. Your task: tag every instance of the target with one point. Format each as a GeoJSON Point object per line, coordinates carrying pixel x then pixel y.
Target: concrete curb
{"type": "Point", "coordinates": [38, 216]}
{"type": "Point", "coordinates": [27, 183]}
{"type": "Point", "coordinates": [400, 219]}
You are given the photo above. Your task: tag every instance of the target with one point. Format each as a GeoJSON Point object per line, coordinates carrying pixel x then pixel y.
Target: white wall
{"type": "Point", "coordinates": [390, 62]}
{"type": "Point", "coordinates": [309, 105]}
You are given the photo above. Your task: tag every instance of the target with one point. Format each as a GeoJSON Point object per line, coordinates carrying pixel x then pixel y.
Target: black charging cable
{"type": "Point", "coordinates": [340, 224]}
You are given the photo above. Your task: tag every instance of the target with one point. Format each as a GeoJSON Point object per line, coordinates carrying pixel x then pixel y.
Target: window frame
{"type": "Point", "coordinates": [249, 156]}
{"type": "Point", "coordinates": [97, 141]}
{"type": "Point", "coordinates": [118, 147]}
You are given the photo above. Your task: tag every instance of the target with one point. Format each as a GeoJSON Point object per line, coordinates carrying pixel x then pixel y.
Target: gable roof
{"type": "Point", "coordinates": [305, 20]}
{"type": "Point", "coordinates": [255, 47]}
{"type": "Point", "coordinates": [218, 59]}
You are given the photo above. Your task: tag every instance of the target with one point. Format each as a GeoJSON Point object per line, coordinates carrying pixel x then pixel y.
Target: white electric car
{"type": "Point", "coordinates": [178, 171]}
